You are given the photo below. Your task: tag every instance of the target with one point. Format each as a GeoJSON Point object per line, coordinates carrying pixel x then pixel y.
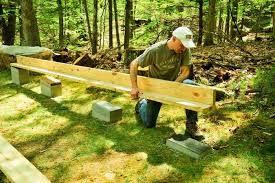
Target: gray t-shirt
{"type": "Point", "coordinates": [164, 63]}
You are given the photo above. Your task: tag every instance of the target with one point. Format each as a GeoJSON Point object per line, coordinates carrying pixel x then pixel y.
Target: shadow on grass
{"type": "Point", "coordinates": [248, 142]}
{"type": "Point", "coordinates": [120, 134]}
{"type": "Point", "coordinates": [250, 149]}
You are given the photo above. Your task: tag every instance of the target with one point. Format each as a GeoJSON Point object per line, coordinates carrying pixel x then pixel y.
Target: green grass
{"type": "Point", "coordinates": [60, 137]}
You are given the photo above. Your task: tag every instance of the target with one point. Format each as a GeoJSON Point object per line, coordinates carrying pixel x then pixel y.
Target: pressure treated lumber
{"type": "Point", "coordinates": [16, 167]}
{"type": "Point", "coordinates": [192, 97]}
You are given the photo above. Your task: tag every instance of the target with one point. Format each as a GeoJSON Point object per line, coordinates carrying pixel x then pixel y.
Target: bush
{"type": "Point", "coordinates": [264, 82]}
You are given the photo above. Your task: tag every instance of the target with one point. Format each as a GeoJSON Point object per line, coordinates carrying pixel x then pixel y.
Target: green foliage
{"type": "Point", "coordinates": [256, 14]}
{"type": "Point", "coordinates": [265, 83]}
{"type": "Point", "coordinates": [74, 23]}
{"type": "Point", "coordinates": [161, 16]}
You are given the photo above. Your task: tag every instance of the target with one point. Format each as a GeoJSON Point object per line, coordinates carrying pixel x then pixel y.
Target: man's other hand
{"type": "Point", "coordinates": [134, 93]}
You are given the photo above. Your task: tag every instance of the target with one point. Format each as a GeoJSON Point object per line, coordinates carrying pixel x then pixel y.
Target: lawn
{"type": "Point", "coordinates": [62, 139]}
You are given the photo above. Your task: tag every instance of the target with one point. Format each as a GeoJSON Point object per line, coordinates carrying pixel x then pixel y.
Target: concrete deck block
{"type": "Point", "coordinates": [106, 111]}
{"type": "Point", "coordinates": [190, 147]}
{"type": "Point", "coordinates": [19, 76]}
{"type": "Point", "coordinates": [50, 86]}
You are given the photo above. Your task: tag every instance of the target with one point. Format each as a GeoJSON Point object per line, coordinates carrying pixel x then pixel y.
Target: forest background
{"type": "Point", "coordinates": [235, 51]}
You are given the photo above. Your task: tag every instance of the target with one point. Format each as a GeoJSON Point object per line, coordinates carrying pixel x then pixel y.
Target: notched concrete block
{"type": "Point", "coordinates": [106, 111]}
{"type": "Point", "coordinates": [19, 76]}
{"type": "Point", "coordinates": [190, 147]}
{"type": "Point", "coordinates": [50, 86]}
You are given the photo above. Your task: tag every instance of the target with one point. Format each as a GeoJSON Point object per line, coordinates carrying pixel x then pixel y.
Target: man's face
{"type": "Point", "coordinates": [178, 46]}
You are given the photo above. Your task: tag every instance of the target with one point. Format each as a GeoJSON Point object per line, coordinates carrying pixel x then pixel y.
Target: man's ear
{"type": "Point", "coordinates": [174, 38]}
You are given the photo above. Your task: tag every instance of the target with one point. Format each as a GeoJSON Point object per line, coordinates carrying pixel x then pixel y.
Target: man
{"type": "Point", "coordinates": [167, 60]}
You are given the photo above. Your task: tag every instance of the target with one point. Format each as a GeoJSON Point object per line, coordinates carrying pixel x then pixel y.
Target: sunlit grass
{"type": "Point", "coordinates": [62, 139]}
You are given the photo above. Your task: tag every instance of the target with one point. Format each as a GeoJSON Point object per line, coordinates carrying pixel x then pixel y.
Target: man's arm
{"type": "Point", "coordinates": [133, 76]}
{"type": "Point", "coordinates": [184, 73]}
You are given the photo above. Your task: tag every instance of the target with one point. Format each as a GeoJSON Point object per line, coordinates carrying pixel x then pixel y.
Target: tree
{"type": "Point", "coordinates": [61, 24]}
{"type": "Point", "coordinates": [94, 44]}
{"type": "Point", "coordinates": [116, 22]}
{"type": "Point", "coordinates": [88, 20]}
{"type": "Point", "coordinates": [102, 25]}
{"type": "Point", "coordinates": [234, 15]}
{"type": "Point", "coordinates": [200, 22]}
{"type": "Point", "coordinates": [29, 24]}
{"type": "Point", "coordinates": [273, 20]}
{"type": "Point", "coordinates": [110, 24]}
{"type": "Point", "coordinates": [220, 25]}
{"type": "Point", "coordinates": [211, 23]}
{"type": "Point", "coordinates": [8, 27]}
{"type": "Point", "coordinates": [228, 15]}
{"type": "Point", "coordinates": [128, 14]}
{"type": "Point", "coordinates": [20, 26]}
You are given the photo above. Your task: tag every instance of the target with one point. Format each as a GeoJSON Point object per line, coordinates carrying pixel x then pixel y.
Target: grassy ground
{"type": "Point", "coordinates": [60, 137]}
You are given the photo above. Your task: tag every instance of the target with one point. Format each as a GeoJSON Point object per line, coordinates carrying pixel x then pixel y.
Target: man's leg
{"type": "Point", "coordinates": [192, 118]}
{"type": "Point", "coordinates": [148, 111]}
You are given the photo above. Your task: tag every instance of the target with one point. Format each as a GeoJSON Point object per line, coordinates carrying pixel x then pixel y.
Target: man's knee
{"type": "Point", "coordinates": [149, 124]}
{"type": "Point", "coordinates": [189, 81]}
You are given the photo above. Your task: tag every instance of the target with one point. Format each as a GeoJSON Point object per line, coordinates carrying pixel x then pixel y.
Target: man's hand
{"type": "Point", "coordinates": [184, 73]}
{"type": "Point", "coordinates": [133, 76]}
{"type": "Point", "coordinates": [134, 93]}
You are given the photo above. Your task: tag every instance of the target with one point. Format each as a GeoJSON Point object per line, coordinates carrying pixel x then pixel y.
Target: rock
{"type": "Point", "coordinates": [8, 53]}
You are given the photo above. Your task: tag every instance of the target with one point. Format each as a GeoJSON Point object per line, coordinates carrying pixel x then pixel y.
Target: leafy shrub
{"type": "Point", "coordinates": [264, 82]}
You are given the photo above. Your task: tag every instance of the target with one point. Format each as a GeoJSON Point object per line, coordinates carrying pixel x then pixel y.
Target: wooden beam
{"type": "Point", "coordinates": [189, 96]}
{"type": "Point", "coordinates": [79, 59]}
{"type": "Point", "coordinates": [16, 167]}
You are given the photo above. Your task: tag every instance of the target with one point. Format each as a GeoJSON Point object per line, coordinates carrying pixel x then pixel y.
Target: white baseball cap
{"type": "Point", "coordinates": [185, 35]}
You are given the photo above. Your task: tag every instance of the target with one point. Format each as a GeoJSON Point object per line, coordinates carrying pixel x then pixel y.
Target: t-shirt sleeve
{"type": "Point", "coordinates": [146, 58]}
{"type": "Point", "coordinates": [186, 59]}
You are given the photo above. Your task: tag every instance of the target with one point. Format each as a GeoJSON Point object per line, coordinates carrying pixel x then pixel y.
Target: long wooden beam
{"type": "Point", "coordinates": [191, 97]}
{"type": "Point", "coordinates": [16, 167]}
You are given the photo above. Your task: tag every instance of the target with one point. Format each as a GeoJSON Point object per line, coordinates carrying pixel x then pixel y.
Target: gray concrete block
{"type": "Point", "coordinates": [50, 86]}
{"type": "Point", "coordinates": [190, 147]}
{"type": "Point", "coordinates": [19, 76]}
{"type": "Point", "coordinates": [106, 111]}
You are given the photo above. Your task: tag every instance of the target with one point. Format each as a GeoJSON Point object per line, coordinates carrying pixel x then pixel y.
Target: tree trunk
{"type": "Point", "coordinates": [61, 24]}
{"type": "Point", "coordinates": [132, 22]}
{"type": "Point", "coordinates": [29, 24]}
{"type": "Point", "coordinates": [21, 35]}
{"type": "Point", "coordinates": [94, 45]}
{"type": "Point", "coordinates": [220, 26]}
{"type": "Point", "coordinates": [102, 26]}
{"type": "Point", "coordinates": [128, 14]}
{"type": "Point", "coordinates": [273, 20]}
{"type": "Point", "coordinates": [110, 24]}
{"type": "Point", "coordinates": [117, 27]}
{"type": "Point", "coordinates": [2, 20]}
{"type": "Point", "coordinates": [228, 15]}
{"type": "Point", "coordinates": [8, 28]}
{"type": "Point", "coordinates": [88, 21]}
{"type": "Point", "coordinates": [200, 22]}
{"type": "Point", "coordinates": [234, 15]}
{"type": "Point", "coordinates": [211, 23]}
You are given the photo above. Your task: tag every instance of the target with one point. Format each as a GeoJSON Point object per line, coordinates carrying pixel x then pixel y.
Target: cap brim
{"type": "Point", "coordinates": [189, 43]}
